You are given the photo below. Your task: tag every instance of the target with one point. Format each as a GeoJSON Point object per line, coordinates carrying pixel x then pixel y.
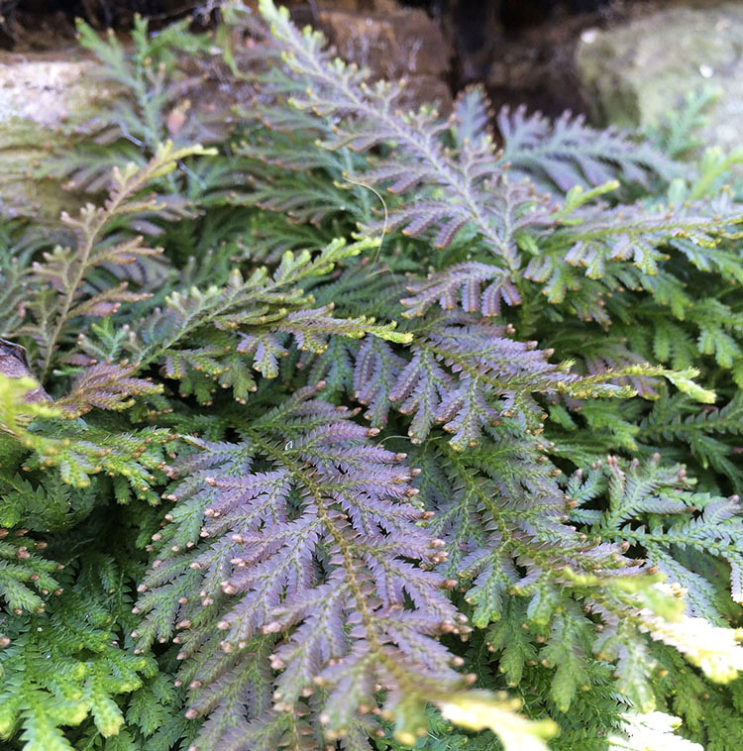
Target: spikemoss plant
{"type": "Point", "coordinates": [314, 470]}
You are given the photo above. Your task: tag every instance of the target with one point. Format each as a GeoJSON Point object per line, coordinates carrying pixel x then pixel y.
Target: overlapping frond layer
{"type": "Point", "coordinates": [306, 568]}
{"type": "Point", "coordinates": [424, 412]}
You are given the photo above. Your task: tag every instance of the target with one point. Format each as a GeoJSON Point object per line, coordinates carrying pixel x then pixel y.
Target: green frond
{"type": "Point", "coordinates": [65, 665]}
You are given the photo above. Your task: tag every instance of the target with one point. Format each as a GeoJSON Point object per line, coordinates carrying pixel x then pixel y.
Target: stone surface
{"type": "Point", "coordinates": [14, 364]}
{"type": "Point", "coordinates": [47, 99]}
{"type": "Point", "coordinates": [394, 43]}
{"type": "Point", "coordinates": [40, 95]}
{"type": "Point", "coordinates": [635, 74]}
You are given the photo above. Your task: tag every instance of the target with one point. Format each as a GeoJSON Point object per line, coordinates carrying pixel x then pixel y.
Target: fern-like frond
{"type": "Point", "coordinates": [65, 665]}
{"type": "Point", "coordinates": [151, 94]}
{"type": "Point", "coordinates": [63, 280]}
{"type": "Point", "coordinates": [13, 295]}
{"type": "Point", "coordinates": [517, 559]}
{"type": "Point", "coordinates": [563, 153]}
{"type": "Point", "coordinates": [109, 387]}
{"type": "Point", "coordinates": [217, 336]}
{"type": "Point", "coordinates": [619, 234]}
{"type": "Point", "coordinates": [711, 434]}
{"type": "Point", "coordinates": [677, 519]}
{"type": "Point", "coordinates": [467, 376]}
{"type": "Point", "coordinates": [78, 449]}
{"type": "Point", "coordinates": [26, 576]}
{"type": "Point", "coordinates": [365, 117]}
{"type": "Point", "coordinates": [42, 503]}
{"type": "Point", "coordinates": [307, 547]}
{"type": "Point", "coordinates": [463, 282]}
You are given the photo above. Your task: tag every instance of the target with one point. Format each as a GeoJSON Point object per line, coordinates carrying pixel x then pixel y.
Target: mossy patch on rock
{"type": "Point", "coordinates": [635, 73]}
{"type": "Point", "coordinates": [42, 99]}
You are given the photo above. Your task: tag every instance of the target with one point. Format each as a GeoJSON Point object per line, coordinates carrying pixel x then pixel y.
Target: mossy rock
{"type": "Point", "coordinates": [635, 73]}
{"type": "Point", "coordinates": [42, 100]}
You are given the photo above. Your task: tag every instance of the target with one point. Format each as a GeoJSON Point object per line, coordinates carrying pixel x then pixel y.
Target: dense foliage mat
{"type": "Point", "coordinates": [355, 431]}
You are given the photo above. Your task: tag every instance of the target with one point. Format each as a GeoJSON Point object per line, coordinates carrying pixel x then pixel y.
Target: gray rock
{"type": "Point", "coordinates": [51, 102]}
{"type": "Point", "coordinates": [14, 364]}
{"type": "Point", "coordinates": [42, 95]}
{"type": "Point", "coordinates": [636, 73]}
